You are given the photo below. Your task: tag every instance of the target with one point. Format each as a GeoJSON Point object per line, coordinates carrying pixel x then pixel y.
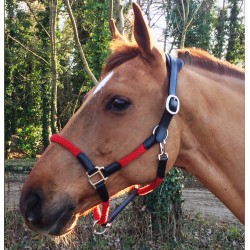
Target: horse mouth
{"type": "Point", "coordinates": [58, 224]}
{"type": "Point", "coordinates": [64, 224]}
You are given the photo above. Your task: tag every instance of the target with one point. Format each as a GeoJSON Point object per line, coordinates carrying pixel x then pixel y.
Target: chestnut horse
{"type": "Point", "coordinates": [206, 137]}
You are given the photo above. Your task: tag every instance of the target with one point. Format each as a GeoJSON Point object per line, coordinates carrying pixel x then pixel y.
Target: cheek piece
{"type": "Point", "coordinates": [97, 176]}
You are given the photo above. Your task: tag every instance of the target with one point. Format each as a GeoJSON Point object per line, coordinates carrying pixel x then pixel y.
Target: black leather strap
{"type": "Point", "coordinates": [162, 166]}
{"type": "Point", "coordinates": [102, 191]}
{"type": "Point", "coordinates": [174, 65]}
{"type": "Point", "coordinates": [91, 169]}
{"type": "Point", "coordinates": [86, 163]}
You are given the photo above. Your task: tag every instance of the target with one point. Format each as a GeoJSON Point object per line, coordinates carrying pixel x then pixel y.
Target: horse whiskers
{"type": "Point", "coordinates": [68, 239]}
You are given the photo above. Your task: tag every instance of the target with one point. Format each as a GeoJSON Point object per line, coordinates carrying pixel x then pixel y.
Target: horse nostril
{"type": "Point", "coordinates": [33, 208]}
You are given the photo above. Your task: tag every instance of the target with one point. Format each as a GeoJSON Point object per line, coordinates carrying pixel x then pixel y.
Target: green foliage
{"type": "Point", "coordinates": [165, 204]}
{"type": "Point", "coordinates": [229, 32]}
{"type": "Point", "coordinates": [234, 234]}
{"type": "Point", "coordinates": [94, 34]}
{"type": "Point", "coordinates": [198, 32]}
{"type": "Point", "coordinates": [29, 140]}
{"type": "Point", "coordinates": [19, 166]}
{"type": "Point", "coordinates": [24, 73]}
{"type": "Point", "coordinates": [28, 79]}
{"type": "Point", "coordinates": [219, 24]}
{"type": "Point", "coordinates": [235, 48]}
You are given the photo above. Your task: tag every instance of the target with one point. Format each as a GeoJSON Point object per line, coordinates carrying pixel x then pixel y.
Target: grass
{"type": "Point", "coordinates": [131, 230]}
{"type": "Point", "coordinates": [19, 166]}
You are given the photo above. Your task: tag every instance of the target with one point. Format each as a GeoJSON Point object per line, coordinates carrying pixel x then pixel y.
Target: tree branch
{"type": "Point", "coordinates": [111, 9]}
{"type": "Point", "coordinates": [26, 48]}
{"type": "Point", "coordinates": [82, 55]}
{"type": "Point", "coordinates": [28, 4]}
{"type": "Point", "coordinates": [194, 14]}
{"type": "Point", "coordinates": [120, 19]}
{"type": "Point", "coordinates": [183, 11]}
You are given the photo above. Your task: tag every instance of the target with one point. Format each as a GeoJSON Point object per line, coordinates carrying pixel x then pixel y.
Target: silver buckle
{"type": "Point", "coordinates": [168, 101]}
{"type": "Point", "coordinates": [100, 179]}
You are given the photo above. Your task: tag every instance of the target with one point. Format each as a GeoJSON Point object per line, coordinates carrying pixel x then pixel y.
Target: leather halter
{"type": "Point", "coordinates": [97, 176]}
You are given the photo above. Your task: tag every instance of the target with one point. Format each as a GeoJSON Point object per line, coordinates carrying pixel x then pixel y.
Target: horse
{"type": "Point", "coordinates": [205, 138]}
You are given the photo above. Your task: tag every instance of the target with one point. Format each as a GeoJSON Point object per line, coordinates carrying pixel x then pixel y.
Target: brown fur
{"type": "Point", "coordinates": [206, 137]}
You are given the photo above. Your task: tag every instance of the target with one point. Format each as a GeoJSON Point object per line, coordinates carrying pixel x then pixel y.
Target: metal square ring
{"type": "Point", "coordinates": [98, 172]}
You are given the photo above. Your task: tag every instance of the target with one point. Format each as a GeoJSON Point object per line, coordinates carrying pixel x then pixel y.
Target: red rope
{"type": "Point", "coordinates": [102, 216]}
{"type": "Point", "coordinates": [132, 156]}
{"type": "Point", "coordinates": [149, 188]}
{"type": "Point", "coordinates": [66, 144]}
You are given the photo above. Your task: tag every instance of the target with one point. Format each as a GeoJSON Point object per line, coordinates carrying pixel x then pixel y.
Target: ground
{"type": "Point", "coordinates": [197, 200]}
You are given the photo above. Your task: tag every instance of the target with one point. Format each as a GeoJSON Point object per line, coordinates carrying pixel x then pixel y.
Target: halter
{"type": "Point", "coordinates": [97, 176]}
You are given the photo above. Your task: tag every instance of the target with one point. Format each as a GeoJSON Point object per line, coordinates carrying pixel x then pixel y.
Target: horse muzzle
{"type": "Point", "coordinates": [49, 219]}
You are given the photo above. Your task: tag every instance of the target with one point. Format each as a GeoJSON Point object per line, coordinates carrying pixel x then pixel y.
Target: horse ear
{"type": "Point", "coordinates": [116, 35]}
{"type": "Point", "coordinates": [141, 31]}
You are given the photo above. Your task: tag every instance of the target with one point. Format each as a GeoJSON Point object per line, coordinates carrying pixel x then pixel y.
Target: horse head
{"type": "Point", "coordinates": [115, 117]}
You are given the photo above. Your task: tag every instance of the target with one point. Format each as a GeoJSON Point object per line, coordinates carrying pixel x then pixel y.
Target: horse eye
{"type": "Point", "coordinates": [118, 104]}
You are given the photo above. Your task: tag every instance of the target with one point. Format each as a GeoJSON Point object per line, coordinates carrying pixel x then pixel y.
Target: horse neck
{"type": "Point", "coordinates": [211, 124]}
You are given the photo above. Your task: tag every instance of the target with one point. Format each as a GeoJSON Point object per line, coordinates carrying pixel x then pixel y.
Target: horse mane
{"type": "Point", "coordinates": [124, 50]}
{"type": "Point", "coordinates": [202, 59]}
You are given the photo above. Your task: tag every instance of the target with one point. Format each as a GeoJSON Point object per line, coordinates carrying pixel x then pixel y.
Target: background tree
{"type": "Point", "coordinates": [31, 50]}
{"type": "Point", "coordinates": [220, 23]}
{"type": "Point", "coordinates": [54, 67]}
{"type": "Point", "coordinates": [236, 34]}
{"type": "Point", "coordinates": [22, 76]}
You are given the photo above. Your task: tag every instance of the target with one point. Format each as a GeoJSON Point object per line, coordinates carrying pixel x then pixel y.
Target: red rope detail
{"type": "Point", "coordinates": [132, 156]}
{"type": "Point", "coordinates": [149, 188]}
{"type": "Point", "coordinates": [102, 216]}
{"type": "Point", "coordinates": [66, 144]}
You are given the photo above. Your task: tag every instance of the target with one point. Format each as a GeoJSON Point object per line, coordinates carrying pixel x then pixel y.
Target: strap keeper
{"type": "Point", "coordinates": [163, 159]}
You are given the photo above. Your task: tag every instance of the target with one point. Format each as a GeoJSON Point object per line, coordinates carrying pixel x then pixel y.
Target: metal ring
{"type": "Point", "coordinates": [154, 130]}
{"type": "Point", "coordinates": [106, 227]}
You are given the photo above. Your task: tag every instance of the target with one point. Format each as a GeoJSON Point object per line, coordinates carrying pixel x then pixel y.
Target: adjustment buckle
{"type": "Point", "coordinates": [172, 108]}
{"type": "Point", "coordinates": [97, 177]}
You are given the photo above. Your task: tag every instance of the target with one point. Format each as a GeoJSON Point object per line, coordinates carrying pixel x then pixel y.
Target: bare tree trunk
{"type": "Point", "coordinates": [183, 37]}
{"type": "Point", "coordinates": [111, 9]}
{"type": "Point", "coordinates": [79, 46]}
{"type": "Point", "coordinates": [53, 18]}
{"type": "Point", "coordinates": [120, 18]}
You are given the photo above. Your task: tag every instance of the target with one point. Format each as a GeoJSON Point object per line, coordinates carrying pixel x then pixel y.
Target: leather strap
{"type": "Point", "coordinates": [172, 103]}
